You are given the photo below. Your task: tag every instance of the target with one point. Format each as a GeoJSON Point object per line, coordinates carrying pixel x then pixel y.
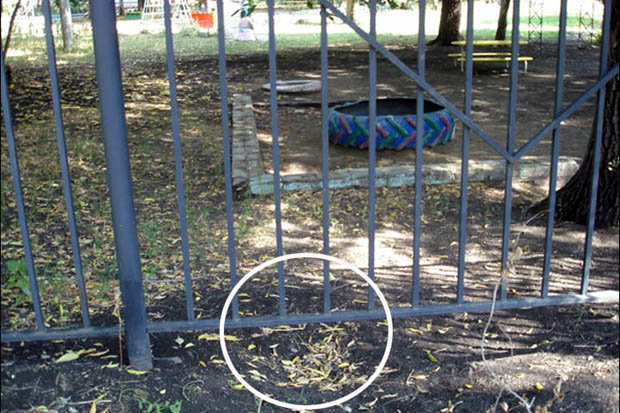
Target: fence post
{"type": "Point", "coordinates": [112, 108]}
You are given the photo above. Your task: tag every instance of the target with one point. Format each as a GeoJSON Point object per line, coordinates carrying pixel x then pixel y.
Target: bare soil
{"type": "Point", "coordinates": [564, 358]}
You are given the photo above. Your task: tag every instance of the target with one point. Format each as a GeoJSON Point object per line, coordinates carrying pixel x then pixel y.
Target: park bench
{"type": "Point", "coordinates": [498, 58]}
{"type": "Point", "coordinates": [488, 56]}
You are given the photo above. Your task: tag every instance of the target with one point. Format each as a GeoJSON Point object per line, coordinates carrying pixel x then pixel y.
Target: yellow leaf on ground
{"type": "Point", "coordinates": [372, 403]}
{"type": "Point", "coordinates": [136, 372]}
{"type": "Point", "coordinates": [216, 337]}
{"type": "Point", "coordinates": [70, 356]}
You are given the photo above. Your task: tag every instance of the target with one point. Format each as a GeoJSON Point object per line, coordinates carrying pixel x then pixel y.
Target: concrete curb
{"type": "Point", "coordinates": [248, 172]}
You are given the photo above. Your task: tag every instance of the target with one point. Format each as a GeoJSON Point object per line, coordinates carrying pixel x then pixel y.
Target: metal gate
{"type": "Point", "coordinates": [137, 328]}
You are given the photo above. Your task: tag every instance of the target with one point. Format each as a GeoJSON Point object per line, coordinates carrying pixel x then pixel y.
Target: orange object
{"type": "Point", "coordinates": [203, 19]}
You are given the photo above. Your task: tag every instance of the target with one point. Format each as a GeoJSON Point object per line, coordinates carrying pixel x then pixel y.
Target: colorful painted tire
{"type": "Point", "coordinates": [396, 124]}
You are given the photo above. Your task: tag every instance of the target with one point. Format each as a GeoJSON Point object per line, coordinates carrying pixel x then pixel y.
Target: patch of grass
{"type": "Point", "coordinates": [188, 42]}
{"type": "Point", "coordinates": [550, 28]}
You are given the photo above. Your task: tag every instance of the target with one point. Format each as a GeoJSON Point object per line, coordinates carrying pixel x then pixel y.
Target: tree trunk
{"type": "Point", "coordinates": [573, 198]}
{"type": "Point", "coordinates": [121, 8]}
{"type": "Point", "coordinates": [7, 42]}
{"type": "Point", "coordinates": [66, 25]}
{"type": "Point", "coordinates": [350, 9]}
{"type": "Point", "coordinates": [500, 34]}
{"type": "Point", "coordinates": [141, 5]}
{"type": "Point", "coordinates": [449, 23]}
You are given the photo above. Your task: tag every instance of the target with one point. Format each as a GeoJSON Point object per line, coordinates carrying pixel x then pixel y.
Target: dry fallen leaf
{"type": "Point", "coordinates": [136, 372]}
{"type": "Point", "coordinates": [70, 356]}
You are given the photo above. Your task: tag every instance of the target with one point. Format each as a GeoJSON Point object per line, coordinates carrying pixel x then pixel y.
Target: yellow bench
{"type": "Point", "coordinates": [455, 56]}
{"type": "Point", "coordinates": [507, 59]}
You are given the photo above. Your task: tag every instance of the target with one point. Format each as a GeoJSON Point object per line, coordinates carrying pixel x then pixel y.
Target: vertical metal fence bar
{"type": "Point", "coordinates": [555, 150]}
{"type": "Point", "coordinates": [419, 141]}
{"type": "Point", "coordinates": [587, 257]}
{"type": "Point", "coordinates": [112, 108]}
{"type": "Point", "coordinates": [232, 260]}
{"type": "Point", "coordinates": [19, 196]}
{"type": "Point", "coordinates": [276, 154]}
{"type": "Point", "coordinates": [372, 150]}
{"type": "Point", "coordinates": [325, 159]}
{"type": "Point", "coordinates": [64, 165]}
{"type": "Point", "coordinates": [178, 162]}
{"type": "Point", "coordinates": [469, 65]}
{"type": "Point", "coordinates": [512, 109]}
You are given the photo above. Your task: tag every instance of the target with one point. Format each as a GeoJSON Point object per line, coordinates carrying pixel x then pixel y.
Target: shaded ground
{"type": "Point", "coordinates": [435, 363]}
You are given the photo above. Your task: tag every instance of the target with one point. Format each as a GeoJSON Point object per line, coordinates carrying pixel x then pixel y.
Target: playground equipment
{"type": "Point", "coordinates": [154, 11]}
{"type": "Point", "coordinates": [396, 124]}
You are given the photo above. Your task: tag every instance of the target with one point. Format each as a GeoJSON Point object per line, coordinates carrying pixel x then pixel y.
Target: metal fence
{"type": "Point", "coordinates": [138, 328]}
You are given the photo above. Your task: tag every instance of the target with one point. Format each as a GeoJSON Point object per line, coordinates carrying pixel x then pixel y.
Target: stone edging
{"type": "Point", "coordinates": [247, 164]}
{"type": "Point", "coordinates": [248, 169]}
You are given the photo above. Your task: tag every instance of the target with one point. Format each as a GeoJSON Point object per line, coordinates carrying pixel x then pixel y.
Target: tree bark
{"type": "Point", "coordinates": [121, 8]}
{"type": "Point", "coordinates": [449, 23]}
{"type": "Point", "coordinates": [350, 9]}
{"type": "Point", "coordinates": [573, 198]}
{"type": "Point", "coordinates": [500, 34]}
{"type": "Point", "coordinates": [141, 5]}
{"type": "Point", "coordinates": [66, 25]}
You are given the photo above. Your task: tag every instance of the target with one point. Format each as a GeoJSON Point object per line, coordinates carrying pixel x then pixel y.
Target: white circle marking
{"type": "Point", "coordinates": [292, 406]}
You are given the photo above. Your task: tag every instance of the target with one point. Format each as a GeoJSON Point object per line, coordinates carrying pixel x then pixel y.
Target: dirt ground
{"type": "Point", "coordinates": [300, 127]}
{"type": "Point", "coordinates": [563, 358]}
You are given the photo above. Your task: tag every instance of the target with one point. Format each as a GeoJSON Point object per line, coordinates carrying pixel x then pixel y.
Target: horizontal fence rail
{"type": "Point", "coordinates": [138, 328]}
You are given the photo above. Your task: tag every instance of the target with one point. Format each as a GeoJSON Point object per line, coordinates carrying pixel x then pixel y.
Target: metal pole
{"type": "Point", "coordinates": [112, 107]}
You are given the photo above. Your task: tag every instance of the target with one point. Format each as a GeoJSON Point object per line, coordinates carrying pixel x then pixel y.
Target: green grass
{"type": "Point", "coordinates": [192, 42]}
{"type": "Point", "coordinates": [188, 42]}
{"type": "Point", "coordinates": [572, 22]}
{"type": "Point", "coordinates": [550, 28]}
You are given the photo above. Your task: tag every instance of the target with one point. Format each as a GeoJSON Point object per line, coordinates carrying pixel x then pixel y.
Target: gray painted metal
{"type": "Point", "coordinates": [112, 108]}
{"type": "Point", "coordinates": [417, 202]}
{"type": "Point", "coordinates": [587, 259]}
{"type": "Point", "coordinates": [469, 67]}
{"type": "Point", "coordinates": [232, 260]}
{"type": "Point", "coordinates": [325, 160]}
{"type": "Point", "coordinates": [64, 165]}
{"type": "Point", "coordinates": [178, 162]}
{"type": "Point", "coordinates": [19, 197]}
{"type": "Point", "coordinates": [273, 97]}
{"type": "Point", "coordinates": [555, 150]}
{"type": "Point", "coordinates": [372, 150]}
{"type": "Point", "coordinates": [512, 114]}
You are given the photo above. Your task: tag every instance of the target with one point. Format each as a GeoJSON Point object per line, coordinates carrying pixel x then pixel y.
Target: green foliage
{"type": "Point", "coordinates": [18, 279]}
{"type": "Point", "coordinates": [146, 406]}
